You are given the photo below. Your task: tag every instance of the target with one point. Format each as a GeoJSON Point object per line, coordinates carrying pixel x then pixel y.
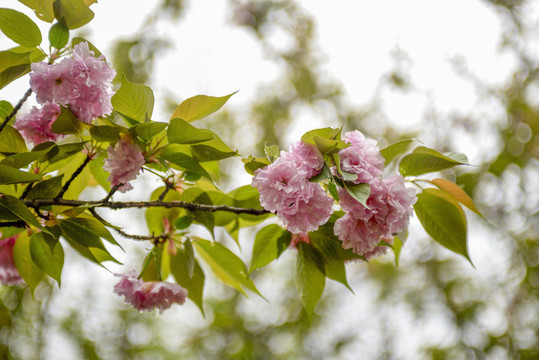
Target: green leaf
{"type": "Point", "coordinates": [12, 58]}
{"type": "Point", "coordinates": [22, 259]}
{"type": "Point", "coordinates": [75, 12]}
{"type": "Point", "coordinates": [5, 109]}
{"type": "Point", "coordinates": [212, 150]}
{"type": "Point", "coordinates": [194, 282]}
{"type": "Point", "coordinates": [66, 123]}
{"type": "Point", "coordinates": [424, 160]}
{"type": "Point", "coordinates": [154, 215]}
{"type": "Point", "coordinates": [265, 248]}
{"type": "Point", "coordinates": [42, 8]}
{"type": "Point", "coordinates": [183, 222]}
{"type": "Point", "coordinates": [397, 247]}
{"type": "Point", "coordinates": [13, 73]}
{"type": "Point", "coordinates": [48, 255]}
{"type": "Point", "coordinates": [310, 280]}
{"type": "Point", "coordinates": [23, 159]}
{"type": "Point", "coordinates": [360, 192]}
{"type": "Point", "coordinates": [134, 100]}
{"type": "Point", "coordinates": [229, 268]}
{"type": "Point", "coordinates": [19, 28]}
{"type": "Point", "coordinates": [443, 219]}
{"type": "Point", "coordinates": [147, 131]}
{"type": "Point", "coordinates": [326, 133]}
{"type": "Point", "coordinates": [12, 208]}
{"type": "Point", "coordinates": [181, 132]}
{"type": "Point", "coordinates": [390, 152]}
{"type": "Point", "coordinates": [198, 107]}
{"type": "Point", "coordinates": [457, 193]}
{"type": "Point", "coordinates": [190, 257]}
{"type": "Point", "coordinates": [46, 189]}
{"type": "Point", "coordinates": [251, 164]}
{"type": "Point", "coordinates": [59, 34]}
{"type": "Point", "coordinates": [105, 133]}
{"type": "Point", "coordinates": [61, 152]}
{"type": "Point", "coordinates": [330, 248]}
{"type": "Point", "coordinates": [9, 175]}
{"type": "Point", "coordinates": [99, 174]}
{"type": "Point", "coordinates": [272, 152]}
{"type": "Point", "coordinates": [329, 146]}
{"type": "Point", "coordinates": [180, 155]}
{"type": "Point", "coordinates": [84, 240]}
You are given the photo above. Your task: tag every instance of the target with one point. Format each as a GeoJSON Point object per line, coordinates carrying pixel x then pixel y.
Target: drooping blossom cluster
{"type": "Point", "coordinates": [36, 125]}
{"type": "Point", "coordinates": [81, 82]}
{"type": "Point", "coordinates": [389, 204]}
{"type": "Point", "coordinates": [285, 189]}
{"type": "Point", "coordinates": [8, 273]}
{"type": "Point", "coordinates": [124, 162]}
{"type": "Point", "coordinates": [146, 296]}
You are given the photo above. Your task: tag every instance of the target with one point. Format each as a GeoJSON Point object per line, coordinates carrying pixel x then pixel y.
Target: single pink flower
{"type": "Point", "coordinates": [52, 82]}
{"type": "Point", "coordinates": [146, 296]}
{"type": "Point", "coordinates": [124, 162]}
{"type": "Point", "coordinates": [285, 190]}
{"type": "Point", "coordinates": [36, 125]}
{"type": "Point", "coordinates": [8, 273]}
{"type": "Point", "coordinates": [388, 213]}
{"type": "Point", "coordinates": [362, 157]}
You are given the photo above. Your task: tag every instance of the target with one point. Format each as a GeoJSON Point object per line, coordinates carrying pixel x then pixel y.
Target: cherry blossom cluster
{"type": "Point", "coordinates": [303, 205]}
{"type": "Point", "coordinates": [81, 82]}
{"type": "Point", "coordinates": [146, 296]}
{"type": "Point", "coordinates": [124, 162]}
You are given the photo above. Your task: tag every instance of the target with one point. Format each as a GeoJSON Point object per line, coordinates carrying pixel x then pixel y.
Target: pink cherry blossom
{"type": "Point", "coordinates": [285, 190]}
{"type": "Point", "coordinates": [8, 273]}
{"type": "Point", "coordinates": [388, 213]}
{"type": "Point", "coordinates": [146, 296]}
{"type": "Point", "coordinates": [124, 162]}
{"type": "Point", "coordinates": [362, 157]}
{"type": "Point", "coordinates": [82, 82]}
{"type": "Point", "coordinates": [36, 125]}
{"type": "Point", "coordinates": [306, 157]}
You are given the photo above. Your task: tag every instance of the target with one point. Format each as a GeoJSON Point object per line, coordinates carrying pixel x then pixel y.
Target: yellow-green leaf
{"type": "Point", "coordinates": [457, 193]}
{"type": "Point", "coordinates": [19, 28]}
{"type": "Point", "coordinates": [198, 107]}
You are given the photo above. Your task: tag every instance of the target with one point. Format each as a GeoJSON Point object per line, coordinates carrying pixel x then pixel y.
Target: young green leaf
{"type": "Point", "coordinates": [5, 109]}
{"type": "Point", "coordinates": [200, 106]}
{"type": "Point", "coordinates": [212, 150]}
{"type": "Point", "coordinates": [22, 259]}
{"type": "Point", "coordinates": [11, 141]}
{"type": "Point", "coordinates": [66, 123]}
{"type": "Point", "coordinates": [310, 280]}
{"type": "Point", "coordinates": [424, 160]}
{"type": "Point", "coordinates": [75, 12]}
{"type": "Point", "coordinates": [251, 164]}
{"type": "Point", "coordinates": [180, 155]}
{"type": "Point", "coordinates": [443, 219]}
{"type": "Point", "coordinates": [360, 192]}
{"type": "Point", "coordinates": [390, 152]}
{"type": "Point", "coordinates": [77, 40]}
{"type": "Point", "coordinates": [181, 132]}
{"type": "Point", "coordinates": [19, 28]}
{"type": "Point", "coordinates": [194, 281]}
{"type": "Point", "coordinates": [59, 34]}
{"type": "Point", "coordinates": [146, 131]}
{"type": "Point", "coordinates": [42, 8]}
{"type": "Point", "coordinates": [13, 73]}
{"type": "Point", "coordinates": [229, 268]}
{"type": "Point", "coordinates": [272, 152]}
{"type": "Point", "coordinates": [326, 133]}
{"type": "Point", "coordinates": [23, 159]}
{"type": "Point", "coordinates": [10, 175]}
{"type": "Point", "coordinates": [48, 255]}
{"type": "Point", "coordinates": [265, 248]}
{"type": "Point", "coordinates": [134, 100]}
{"type": "Point", "coordinates": [12, 58]}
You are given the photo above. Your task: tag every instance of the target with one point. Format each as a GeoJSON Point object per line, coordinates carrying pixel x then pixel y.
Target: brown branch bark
{"type": "Point", "coordinates": [16, 109]}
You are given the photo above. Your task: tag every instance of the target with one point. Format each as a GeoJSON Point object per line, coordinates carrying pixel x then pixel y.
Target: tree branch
{"type": "Point", "coordinates": [144, 204]}
{"type": "Point", "coordinates": [16, 109]}
{"type": "Point", "coordinates": [121, 232]}
{"type": "Point", "coordinates": [75, 174]}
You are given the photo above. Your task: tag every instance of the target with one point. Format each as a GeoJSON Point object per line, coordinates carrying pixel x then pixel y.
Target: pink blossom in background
{"type": "Point", "coordinates": [124, 162]}
{"type": "Point", "coordinates": [362, 157]}
{"type": "Point", "coordinates": [306, 157]}
{"type": "Point", "coordinates": [82, 82]}
{"type": "Point", "coordinates": [36, 125]}
{"type": "Point", "coordinates": [390, 207]}
{"type": "Point", "coordinates": [146, 296]}
{"type": "Point", "coordinates": [285, 190]}
{"type": "Point", "coordinates": [8, 273]}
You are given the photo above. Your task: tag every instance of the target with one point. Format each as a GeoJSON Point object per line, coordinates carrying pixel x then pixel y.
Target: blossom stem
{"type": "Point", "coordinates": [143, 204]}
{"type": "Point", "coordinates": [73, 177]}
{"type": "Point", "coordinates": [16, 108]}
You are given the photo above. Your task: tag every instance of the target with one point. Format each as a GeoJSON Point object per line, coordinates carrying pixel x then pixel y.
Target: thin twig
{"type": "Point", "coordinates": [144, 204]}
{"type": "Point", "coordinates": [26, 190]}
{"type": "Point", "coordinates": [112, 191]}
{"type": "Point", "coordinates": [121, 232]}
{"type": "Point", "coordinates": [18, 223]}
{"type": "Point", "coordinates": [168, 186]}
{"type": "Point", "coordinates": [16, 108]}
{"type": "Point", "coordinates": [75, 174]}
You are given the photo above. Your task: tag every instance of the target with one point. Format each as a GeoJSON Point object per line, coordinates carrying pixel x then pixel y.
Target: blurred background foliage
{"type": "Point", "coordinates": [434, 306]}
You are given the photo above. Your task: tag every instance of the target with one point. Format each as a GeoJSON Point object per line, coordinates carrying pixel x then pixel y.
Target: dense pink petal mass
{"type": "Point", "coordinates": [36, 125]}
{"type": "Point", "coordinates": [285, 190]}
{"type": "Point", "coordinates": [362, 157]}
{"type": "Point", "coordinates": [306, 157]}
{"type": "Point", "coordinates": [82, 82]}
{"type": "Point", "coordinates": [390, 207]}
{"type": "Point", "coordinates": [146, 296]}
{"type": "Point", "coordinates": [8, 273]}
{"type": "Point", "coordinates": [124, 162]}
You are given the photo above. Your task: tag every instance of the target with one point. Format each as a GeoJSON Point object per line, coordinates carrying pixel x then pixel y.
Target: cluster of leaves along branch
{"type": "Point", "coordinates": [39, 187]}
